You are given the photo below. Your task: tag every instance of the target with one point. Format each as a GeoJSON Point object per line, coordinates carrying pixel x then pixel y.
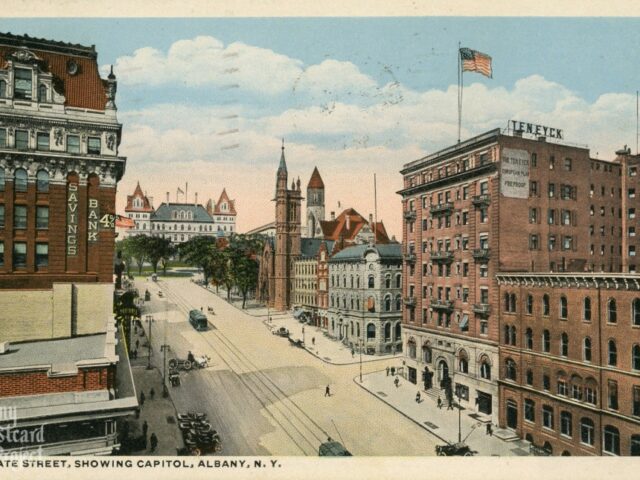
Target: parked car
{"type": "Point", "coordinates": [281, 332]}
{"type": "Point", "coordinates": [454, 449]}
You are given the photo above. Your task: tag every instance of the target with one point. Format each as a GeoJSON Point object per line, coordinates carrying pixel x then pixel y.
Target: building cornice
{"type": "Point", "coordinates": [608, 281]}
{"type": "Point", "coordinates": [455, 178]}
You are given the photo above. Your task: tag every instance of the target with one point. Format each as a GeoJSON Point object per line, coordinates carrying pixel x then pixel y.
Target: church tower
{"type": "Point", "coordinates": [288, 221]}
{"type": "Point", "coordinates": [315, 204]}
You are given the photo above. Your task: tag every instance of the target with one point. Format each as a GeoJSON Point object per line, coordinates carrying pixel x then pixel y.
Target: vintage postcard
{"type": "Point", "coordinates": [318, 244]}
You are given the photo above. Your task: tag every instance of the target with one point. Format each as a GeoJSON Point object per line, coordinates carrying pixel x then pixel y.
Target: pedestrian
{"type": "Point", "coordinates": [393, 370]}
{"type": "Point", "coordinates": [327, 391]}
{"type": "Point", "coordinates": [352, 352]}
{"type": "Point", "coordinates": [145, 429]}
{"type": "Point", "coordinates": [450, 405]}
{"type": "Point", "coordinates": [313, 341]}
{"type": "Point", "coordinates": [134, 354]}
{"type": "Point", "coordinates": [418, 397]}
{"type": "Point", "coordinates": [489, 429]}
{"type": "Point", "coordinates": [387, 371]}
{"type": "Point", "coordinates": [137, 343]}
{"type": "Point", "coordinates": [439, 403]}
{"type": "Point", "coordinates": [396, 382]}
{"type": "Point", "coordinates": [142, 398]}
{"type": "Point", "coordinates": [152, 393]}
{"type": "Point", "coordinates": [154, 442]}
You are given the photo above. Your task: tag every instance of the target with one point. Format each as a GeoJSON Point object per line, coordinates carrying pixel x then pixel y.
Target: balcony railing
{"type": "Point", "coordinates": [410, 301]}
{"type": "Point", "coordinates": [482, 309]}
{"type": "Point", "coordinates": [481, 254]}
{"type": "Point", "coordinates": [410, 215]}
{"type": "Point", "coordinates": [438, 304]}
{"type": "Point", "coordinates": [442, 256]}
{"type": "Point", "coordinates": [410, 257]}
{"type": "Point", "coordinates": [441, 208]}
{"type": "Point", "coordinates": [481, 200]}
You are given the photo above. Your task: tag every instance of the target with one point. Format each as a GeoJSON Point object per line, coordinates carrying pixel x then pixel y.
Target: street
{"type": "Point", "coordinates": [264, 396]}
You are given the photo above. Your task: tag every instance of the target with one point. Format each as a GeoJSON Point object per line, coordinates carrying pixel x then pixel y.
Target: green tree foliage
{"type": "Point", "coordinates": [242, 264]}
{"type": "Point", "coordinates": [199, 252]}
{"type": "Point", "coordinates": [157, 248]}
{"type": "Point", "coordinates": [133, 250]}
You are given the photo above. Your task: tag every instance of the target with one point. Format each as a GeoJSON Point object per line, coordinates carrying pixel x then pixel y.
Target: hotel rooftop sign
{"type": "Point", "coordinates": [538, 130]}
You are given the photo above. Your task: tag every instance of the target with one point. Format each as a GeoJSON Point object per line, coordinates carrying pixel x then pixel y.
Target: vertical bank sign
{"type": "Point", "coordinates": [514, 173]}
{"type": "Point", "coordinates": [72, 220]}
{"type": "Point", "coordinates": [93, 219]}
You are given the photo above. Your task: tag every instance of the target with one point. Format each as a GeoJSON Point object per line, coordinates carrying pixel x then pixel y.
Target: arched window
{"type": "Point", "coordinates": [352, 327]}
{"type": "Point", "coordinates": [371, 281]}
{"type": "Point", "coordinates": [586, 349]}
{"type": "Point", "coordinates": [344, 281]}
{"type": "Point", "coordinates": [546, 341]}
{"type": "Point", "coordinates": [612, 311]}
{"type": "Point", "coordinates": [529, 377]}
{"type": "Point", "coordinates": [411, 347]}
{"type": "Point", "coordinates": [42, 93]}
{"type": "Point", "coordinates": [398, 332]}
{"type": "Point", "coordinates": [3, 89]}
{"type": "Point", "coordinates": [587, 430]}
{"type": "Point", "coordinates": [528, 338]}
{"type": "Point", "coordinates": [398, 302]}
{"type": "Point", "coordinates": [512, 303]}
{"type": "Point", "coordinates": [611, 440]}
{"type": "Point", "coordinates": [545, 305]}
{"type": "Point", "coordinates": [426, 354]}
{"type": "Point", "coordinates": [635, 312]}
{"type": "Point", "coordinates": [42, 181]}
{"type": "Point", "coordinates": [564, 345]}
{"type": "Point", "coordinates": [485, 369]}
{"type": "Point", "coordinates": [463, 362]}
{"type": "Point", "coordinates": [20, 180]}
{"type": "Point", "coordinates": [613, 353]}
{"type": "Point", "coordinates": [635, 446]}
{"type": "Point", "coordinates": [358, 330]}
{"type": "Point", "coordinates": [387, 281]}
{"type": "Point", "coordinates": [635, 357]}
{"type": "Point", "coordinates": [351, 280]}
{"type": "Point", "coordinates": [513, 336]}
{"type": "Point", "coordinates": [506, 302]}
{"type": "Point", "coordinates": [371, 331]}
{"type": "Point", "coordinates": [387, 303]}
{"type": "Point", "coordinates": [530, 304]}
{"type": "Point", "coordinates": [507, 334]}
{"type": "Point", "coordinates": [563, 307]}
{"type": "Point", "coordinates": [371, 304]}
{"type": "Point", "coordinates": [586, 310]}
{"type": "Point", "coordinates": [358, 281]}
{"type": "Point", "coordinates": [1, 177]}
{"type": "Point", "coordinates": [398, 281]}
{"type": "Point", "coordinates": [387, 332]}
{"type": "Point", "coordinates": [510, 369]}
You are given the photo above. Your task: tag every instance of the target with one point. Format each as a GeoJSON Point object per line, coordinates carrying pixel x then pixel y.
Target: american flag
{"type": "Point", "coordinates": [474, 61]}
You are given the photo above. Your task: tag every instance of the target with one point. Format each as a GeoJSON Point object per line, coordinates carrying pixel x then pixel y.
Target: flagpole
{"type": "Point", "coordinates": [637, 113]}
{"type": "Point", "coordinates": [460, 87]}
{"type": "Point", "coordinates": [375, 208]}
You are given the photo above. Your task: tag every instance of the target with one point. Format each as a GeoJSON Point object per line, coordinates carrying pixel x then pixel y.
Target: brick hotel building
{"type": "Point", "coordinates": [61, 363]}
{"type": "Point", "coordinates": [500, 203]}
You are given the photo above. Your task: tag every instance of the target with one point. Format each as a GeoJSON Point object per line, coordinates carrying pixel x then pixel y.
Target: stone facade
{"type": "Point", "coordinates": [365, 298]}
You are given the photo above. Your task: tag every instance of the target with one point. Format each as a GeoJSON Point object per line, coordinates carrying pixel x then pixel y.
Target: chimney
{"type": "Point", "coordinates": [333, 215]}
{"type": "Point", "coordinates": [150, 201]}
{"type": "Point", "coordinates": [167, 197]}
{"type": "Point", "coordinates": [370, 219]}
{"type": "Point", "coordinates": [196, 199]}
{"type": "Point", "coordinates": [348, 222]}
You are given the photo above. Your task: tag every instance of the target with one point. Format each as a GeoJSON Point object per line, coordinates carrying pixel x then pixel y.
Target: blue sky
{"type": "Point", "coordinates": [207, 100]}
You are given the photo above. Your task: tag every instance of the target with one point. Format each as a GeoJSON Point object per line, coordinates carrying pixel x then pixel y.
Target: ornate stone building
{"type": "Point", "coordinates": [62, 365]}
{"type": "Point", "coordinates": [139, 209]}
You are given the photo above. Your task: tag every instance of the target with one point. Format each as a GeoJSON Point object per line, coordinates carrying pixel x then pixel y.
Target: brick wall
{"type": "Point", "coordinates": [34, 383]}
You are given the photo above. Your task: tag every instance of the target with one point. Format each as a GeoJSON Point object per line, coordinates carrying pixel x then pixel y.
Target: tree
{"type": "Point", "coordinates": [123, 246]}
{"type": "Point", "coordinates": [137, 248]}
{"type": "Point", "coordinates": [245, 276]}
{"type": "Point", "coordinates": [157, 248]}
{"type": "Point", "coordinates": [242, 264]}
{"type": "Point", "coordinates": [218, 265]}
{"type": "Point", "coordinates": [198, 251]}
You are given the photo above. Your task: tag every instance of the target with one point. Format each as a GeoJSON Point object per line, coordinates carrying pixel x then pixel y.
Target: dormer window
{"type": "Point", "coordinates": [23, 83]}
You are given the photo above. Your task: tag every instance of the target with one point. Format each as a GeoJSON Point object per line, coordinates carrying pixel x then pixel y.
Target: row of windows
{"type": "Point", "coordinates": [20, 217]}
{"type": "Point", "coordinates": [19, 258]}
{"type": "Point", "coordinates": [370, 303]}
{"type": "Point", "coordinates": [566, 192]}
{"type": "Point", "coordinates": [43, 142]}
{"type": "Point", "coordinates": [335, 281]}
{"type": "Point", "coordinates": [510, 306]}
{"type": "Point", "coordinates": [21, 178]}
{"type": "Point", "coordinates": [443, 171]}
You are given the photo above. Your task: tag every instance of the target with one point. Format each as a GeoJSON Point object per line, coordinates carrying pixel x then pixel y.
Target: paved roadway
{"type": "Point", "coordinates": [266, 397]}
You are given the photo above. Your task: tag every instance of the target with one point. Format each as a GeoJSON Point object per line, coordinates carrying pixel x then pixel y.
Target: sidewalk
{"type": "Point", "coordinates": [316, 341]}
{"type": "Point", "coordinates": [442, 423]}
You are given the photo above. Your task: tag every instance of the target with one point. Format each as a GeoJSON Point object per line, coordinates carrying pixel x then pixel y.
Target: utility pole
{"type": "Point", "coordinates": [149, 319]}
{"type": "Point", "coordinates": [164, 347]}
{"type": "Point", "coordinates": [361, 346]}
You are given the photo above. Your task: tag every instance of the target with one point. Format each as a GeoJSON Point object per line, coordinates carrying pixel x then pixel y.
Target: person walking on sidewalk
{"type": "Point", "coordinates": [313, 341]}
{"type": "Point", "coordinates": [353, 352]}
{"type": "Point", "coordinates": [142, 397]}
{"type": "Point", "coordinates": [396, 382]}
{"type": "Point", "coordinates": [450, 405]}
{"type": "Point", "coordinates": [145, 429]}
{"type": "Point", "coordinates": [387, 371]}
{"type": "Point", "coordinates": [418, 397]}
{"type": "Point", "coordinates": [152, 393]}
{"type": "Point", "coordinates": [327, 391]}
{"type": "Point", "coordinates": [489, 429]}
{"type": "Point", "coordinates": [137, 343]}
{"type": "Point", "coordinates": [439, 402]}
{"type": "Point", "coordinates": [154, 442]}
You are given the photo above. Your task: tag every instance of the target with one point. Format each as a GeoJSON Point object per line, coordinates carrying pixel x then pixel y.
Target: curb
{"type": "Point", "coordinates": [398, 410]}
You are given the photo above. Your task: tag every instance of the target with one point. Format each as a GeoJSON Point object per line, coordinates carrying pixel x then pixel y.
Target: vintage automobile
{"type": "Point", "coordinates": [201, 361]}
{"type": "Point", "coordinates": [281, 332]}
{"type": "Point", "coordinates": [331, 448]}
{"type": "Point", "coordinates": [454, 449]}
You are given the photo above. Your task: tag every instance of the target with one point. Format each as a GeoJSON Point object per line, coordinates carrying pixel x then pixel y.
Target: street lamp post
{"type": "Point", "coordinates": [149, 319]}
{"type": "Point", "coordinates": [361, 346]}
{"type": "Point", "coordinates": [303, 336]}
{"type": "Point", "coordinates": [164, 347]}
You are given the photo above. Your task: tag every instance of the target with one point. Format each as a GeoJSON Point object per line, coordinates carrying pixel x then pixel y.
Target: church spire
{"type": "Point", "coordinates": [283, 164]}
